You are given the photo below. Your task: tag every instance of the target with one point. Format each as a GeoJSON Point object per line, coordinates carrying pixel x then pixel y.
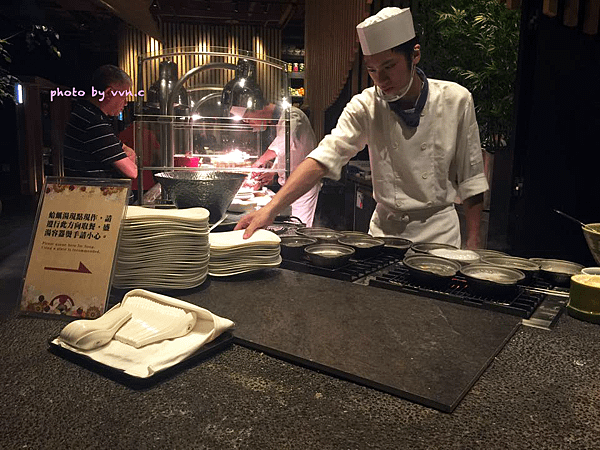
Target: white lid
{"type": "Point", "coordinates": [387, 29]}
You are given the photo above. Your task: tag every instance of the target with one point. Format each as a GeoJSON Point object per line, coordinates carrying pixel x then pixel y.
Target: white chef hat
{"type": "Point", "coordinates": [387, 29]}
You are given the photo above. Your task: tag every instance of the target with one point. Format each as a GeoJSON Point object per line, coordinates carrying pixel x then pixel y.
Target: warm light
{"type": "Point", "coordinates": [196, 117]}
{"type": "Point", "coordinates": [285, 104]}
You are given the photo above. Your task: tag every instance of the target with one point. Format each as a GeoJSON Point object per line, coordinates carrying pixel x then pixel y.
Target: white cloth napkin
{"type": "Point", "coordinates": [145, 361]}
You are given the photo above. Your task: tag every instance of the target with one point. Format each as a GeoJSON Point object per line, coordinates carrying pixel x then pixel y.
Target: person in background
{"type": "Point", "coordinates": [148, 150]}
{"type": "Point", "coordinates": [422, 138]}
{"type": "Point", "coordinates": [91, 148]}
{"type": "Point", "coordinates": [302, 142]}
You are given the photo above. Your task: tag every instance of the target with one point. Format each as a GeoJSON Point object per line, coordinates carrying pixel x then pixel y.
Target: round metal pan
{"type": "Point", "coordinates": [396, 245]}
{"type": "Point", "coordinates": [364, 246]}
{"type": "Point", "coordinates": [323, 235]}
{"type": "Point", "coordinates": [292, 247]}
{"type": "Point", "coordinates": [492, 281]}
{"type": "Point", "coordinates": [459, 255]}
{"type": "Point", "coordinates": [430, 270]}
{"type": "Point", "coordinates": [557, 271]}
{"type": "Point", "coordinates": [424, 247]}
{"type": "Point", "coordinates": [528, 267]}
{"type": "Point", "coordinates": [330, 256]}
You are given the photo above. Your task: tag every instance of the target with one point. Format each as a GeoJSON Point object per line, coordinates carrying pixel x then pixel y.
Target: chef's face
{"type": "Point", "coordinates": [252, 118]}
{"type": "Point", "coordinates": [391, 71]}
{"type": "Point", "coordinates": [115, 99]}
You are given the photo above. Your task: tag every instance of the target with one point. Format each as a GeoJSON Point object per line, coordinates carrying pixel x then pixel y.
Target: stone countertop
{"type": "Point", "coordinates": [542, 391]}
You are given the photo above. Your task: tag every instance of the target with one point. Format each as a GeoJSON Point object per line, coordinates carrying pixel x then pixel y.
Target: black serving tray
{"type": "Point", "coordinates": [206, 351]}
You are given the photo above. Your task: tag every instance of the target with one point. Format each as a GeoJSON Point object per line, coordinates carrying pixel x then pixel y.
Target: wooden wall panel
{"type": "Point", "coordinates": [331, 47]}
{"type": "Point", "coordinates": [264, 42]}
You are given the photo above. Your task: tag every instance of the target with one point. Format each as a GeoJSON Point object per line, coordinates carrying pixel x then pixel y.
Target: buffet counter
{"type": "Point", "coordinates": [540, 391]}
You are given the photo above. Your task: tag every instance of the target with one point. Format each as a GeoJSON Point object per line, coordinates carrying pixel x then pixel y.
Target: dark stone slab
{"type": "Point", "coordinates": [427, 351]}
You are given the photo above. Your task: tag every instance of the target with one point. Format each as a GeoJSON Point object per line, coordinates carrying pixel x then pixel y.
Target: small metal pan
{"type": "Point", "coordinates": [292, 247]}
{"type": "Point", "coordinates": [396, 245]}
{"type": "Point", "coordinates": [364, 246]}
{"type": "Point", "coordinates": [559, 272]}
{"type": "Point", "coordinates": [323, 235]}
{"type": "Point", "coordinates": [425, 247]}
{"type": "Point", "coordinates": [328, 255]}
{"type": "Point", "coordinates": [528, 267]}
{"type": "Point", "coordinates": [492, 281]}
{"type": "Point", "coordinates": [431, 270]}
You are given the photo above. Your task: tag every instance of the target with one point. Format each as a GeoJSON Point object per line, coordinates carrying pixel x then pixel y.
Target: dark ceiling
{"type": "Point", "coordinates": [94, 23]}
{"type": "Point", "coordinates": [88, 29]}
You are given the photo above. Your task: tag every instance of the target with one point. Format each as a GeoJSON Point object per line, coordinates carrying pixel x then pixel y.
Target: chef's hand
{"type": "Point", "coordinates": [265, 178]}
{"type": "Point", "coordinates": [255, 220]}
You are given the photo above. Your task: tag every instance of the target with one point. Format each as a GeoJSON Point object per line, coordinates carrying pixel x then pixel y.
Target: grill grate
{"type": "Point", "coordinates": [523, 304]}
{"type": "Point", "coordinates": [355, 269]}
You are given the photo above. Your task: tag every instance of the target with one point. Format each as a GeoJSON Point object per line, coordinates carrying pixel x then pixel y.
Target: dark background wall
{"type": "Point", "coordinates": [553, 160]}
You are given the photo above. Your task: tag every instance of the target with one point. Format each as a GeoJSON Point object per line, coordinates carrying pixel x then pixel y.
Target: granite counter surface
{"type": "Point", "coordinates": [541, 392]}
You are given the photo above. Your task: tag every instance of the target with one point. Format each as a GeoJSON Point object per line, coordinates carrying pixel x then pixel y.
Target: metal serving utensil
{"type": "Point", "coordinates": [574, 220]}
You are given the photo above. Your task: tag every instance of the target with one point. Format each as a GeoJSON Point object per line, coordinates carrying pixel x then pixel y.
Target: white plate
{"type": "Point", "coordinates": [188, 214]}
{"type": "Point", "coordinates": [234, 239]}
{"type": "Point", "coordinates": [238, 272]}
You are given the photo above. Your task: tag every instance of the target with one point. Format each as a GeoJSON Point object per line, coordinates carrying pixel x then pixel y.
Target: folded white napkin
{"type": "Point", "coordinates": [145, 361]}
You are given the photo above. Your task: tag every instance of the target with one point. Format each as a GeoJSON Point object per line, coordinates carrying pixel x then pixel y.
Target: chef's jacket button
{"type": "Point", "coordinates": [405, 218]}
{"type": "Point", "coordinates": [423, 146]}
{"type": "Point", "coordinates": [429, 203]}
{"type": "Point", "coordinates": [395, 146]}
{"type": "Point", "coordinates": [424, 176]}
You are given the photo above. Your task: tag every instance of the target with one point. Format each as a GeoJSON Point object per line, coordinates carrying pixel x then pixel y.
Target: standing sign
{"type": "Point", "coordinates": [73, 249]}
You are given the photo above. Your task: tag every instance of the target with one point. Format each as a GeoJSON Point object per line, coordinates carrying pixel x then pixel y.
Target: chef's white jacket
{"type": "Point", "coordinates": [302, 142]}
{"type": "Point", "coordinates": [417, 173]}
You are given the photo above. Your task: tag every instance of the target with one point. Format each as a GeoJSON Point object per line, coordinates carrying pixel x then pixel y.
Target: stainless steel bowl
{"type": "Point", "coordinates": [364, 246]}
{"type": "Point", "coordinates": [213, 190]}
{"type": "Point", "coordinates": [431, 270]}
{"type": "Point", "coordinates": [528, 267]}
{"type": "Point", "coordinates": [329, 255]}
{"type": "Point", "coordinates": [292, 247]}
{"type": "Point", "coordinates": [492, 281]}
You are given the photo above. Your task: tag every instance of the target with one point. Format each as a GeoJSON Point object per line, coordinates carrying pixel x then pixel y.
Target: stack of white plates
{"type": "Point", "coordinates": [163, 248]}
{"type": "Point", "coordinates": [230, 254]}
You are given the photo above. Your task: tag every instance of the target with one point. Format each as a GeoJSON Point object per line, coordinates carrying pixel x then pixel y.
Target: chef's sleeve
{"type": "Point", "coordinates": [469, 158]}
{"type": "Point", "coordinates": [343, 143]}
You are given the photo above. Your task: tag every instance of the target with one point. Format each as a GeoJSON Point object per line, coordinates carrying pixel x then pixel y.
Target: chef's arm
{"type": "Point", "coordinates": [127, 166]}
{"type": "Point", "coordinates": [473, 206]}
{"type": "Point", "coordinates": [269, 155]}
{"type": "Point", "coordinates": [301, 180]}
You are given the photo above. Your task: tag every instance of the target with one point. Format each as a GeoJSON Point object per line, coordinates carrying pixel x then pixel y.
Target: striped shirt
{"type": "Point", "coordinates": [90, 145]}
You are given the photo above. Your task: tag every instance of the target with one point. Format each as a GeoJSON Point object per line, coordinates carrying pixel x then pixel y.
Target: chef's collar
{"type": "Point", "coordinates": [412, 116]}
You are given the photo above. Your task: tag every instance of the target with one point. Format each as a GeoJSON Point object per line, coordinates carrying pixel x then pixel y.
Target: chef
{"type": "Point", "coordinates": [302, 142]}
{"type": "Point", "coordinates": [422, 137]}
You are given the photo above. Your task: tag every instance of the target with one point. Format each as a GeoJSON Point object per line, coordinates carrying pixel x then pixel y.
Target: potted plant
{"type": "Point", "coordinates": [475, 43]}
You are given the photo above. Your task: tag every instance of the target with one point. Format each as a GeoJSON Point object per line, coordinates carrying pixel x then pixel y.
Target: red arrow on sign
{"type": "Point", "coordinates": [80, 269]}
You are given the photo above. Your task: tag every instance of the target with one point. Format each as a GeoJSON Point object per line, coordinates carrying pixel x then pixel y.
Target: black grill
{"type": "Point", "coordinates": [355, 269]}
{"type": "Point", "coordinates": [523, 304]}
